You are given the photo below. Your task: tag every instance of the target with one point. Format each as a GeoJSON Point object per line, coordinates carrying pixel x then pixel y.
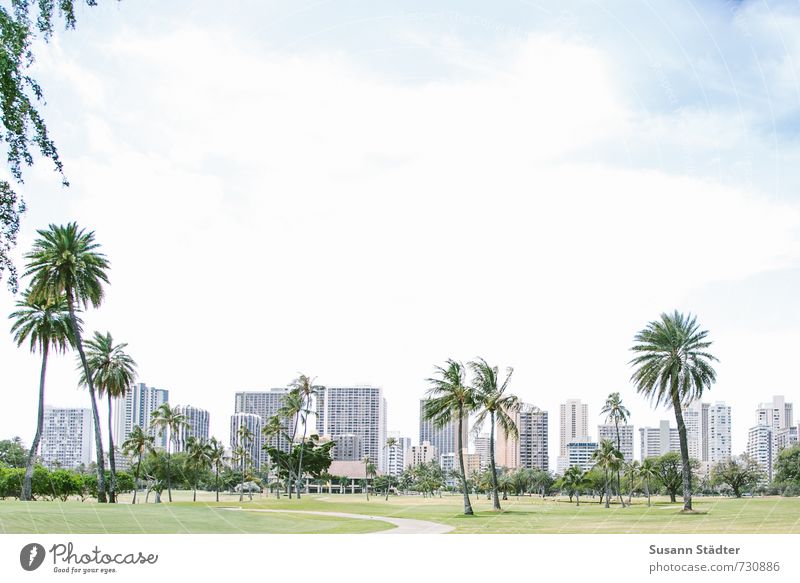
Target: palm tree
{"type": "Point", "coordinates": [168, 420]}
{"type": "Point", "coordinates": [390, 443]}
{"type": "Point", "coordinates": [449, 397]}
{"type": "Point", "coordinates": [242, 453]}
{"type": "Point", "coordinates": [113, 372]}
{"type": "Point", "coordinates": [492, 402]}
{"type": "Point", "coordinates": [45, 324]}
{"type": "Point", "coordinates": [273, 429]}
{"type": "Point", "coordinates": [648, 471]}
{"type": "Point", "coordinates": [138, 444]}
{"type": "Point", "coordinates": [608, 458]}
{"type": "Point", "coordinates": [631, 472]}
{"type": "Point", "coordinates": [292, 409]}
{"type": "Point", "coordinates": [615, 412]}
{"type": "Point", "coordinates": [673, 368]}
{"type": "Point", "coordinates": [370, 471]}
{"type": "Point", "coordinates": [65, 261]}
{"type": "Point", "coordinates": [306, 388]}
{"type": "Point", "coordinates": [198, 458]}
{"type": "Point", "coordinates": [216, 457]}
{"type": "Point", "coordinates": [574, 480]}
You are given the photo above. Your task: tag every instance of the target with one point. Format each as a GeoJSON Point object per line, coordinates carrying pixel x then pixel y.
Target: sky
{"type": "Point", "coordinates": [358, 191]}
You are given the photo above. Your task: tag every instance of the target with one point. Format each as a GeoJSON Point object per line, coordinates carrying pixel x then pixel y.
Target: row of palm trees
{"type": "Point", "coordinates": [576, 480]}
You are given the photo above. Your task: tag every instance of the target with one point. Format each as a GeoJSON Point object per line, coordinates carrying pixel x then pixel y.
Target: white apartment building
{"type": "Point", "coordinates": [67, 437]}
{"type": "Point", "coordinates": [574, 423]}
{"type": "Point", "coordinates": [656, 441]}
{"type": "Point", "coordinates": [396, 454]}
{"type": "Point", "coordinates": [360, 410]}
{"type": "Point", "coordinates": [421, 454]}
{"type": "Point", "coordinates": [692, 418]}
{"type": "Point", "coordinates": [760, 448]}
{"type": "Point", "coordinates": [482, 443]}
{"type": "Point", "coordinates": [444, 439]}
{"type": "Point", "coordinates": [608, 431]}
{"type": "Point", "coordinates": [717, 436]}
{"type": "Point", "coordinates": [348, 447]}
{"type": "Point", "coordinates": [777, 417]}
{"type": "Point", "coordinates": [197, 426]}
{"type": "Point", "coordinates": [266, 404]}
{"type": "Point", "coordinates": [580, 451]}
{"type": "Point", "coordinates": [136, 408]}
{"type": "Point", "coordinates": [254, 445]}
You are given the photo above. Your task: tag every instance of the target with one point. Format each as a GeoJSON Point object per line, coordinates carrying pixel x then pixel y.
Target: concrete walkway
{"type": "Point", "coordinates": [404, 525]}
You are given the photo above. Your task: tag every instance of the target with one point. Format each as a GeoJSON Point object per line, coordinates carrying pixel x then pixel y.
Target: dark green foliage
{"type": "Point", "coordinates": [11, 482]}
{"type": "Point", "coordinates": [12, 453]}
{"type": "Point", "coordinates": [740, 475]}
{"type": "Point", "coordinates": [24, 131]}
{"type": "Point", "coordinates": [787, 467]}
{"type": "Point", "coordinates": [316, 458]}
{"type": "Point", "coordinates": [669, 468]}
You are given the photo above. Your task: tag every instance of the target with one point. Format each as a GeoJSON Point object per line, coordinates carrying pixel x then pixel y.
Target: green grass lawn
{"type": "Point", "coordinates": [523, 515]}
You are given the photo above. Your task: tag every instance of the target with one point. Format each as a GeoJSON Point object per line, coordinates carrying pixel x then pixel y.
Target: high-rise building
{"type": "Point", "coordinates": [529, 449]}
{"type": "Point", "coordinates": [197, 424]}
{"type": "Point", "coordinates": [348, 447]}
{"type": "Point", "coordinates": [396, 454]}
{"type": "Point", "coordinates": [67, 437]}
{"type": "Point", "coordinates": [760, 448]}
{"type": "Point", "coordinates": [778, 414]}
{"type": "Point", "coordinates": [444, 439]}
{"type": "Point", "coordinates": [472, 463]}
{"type": "Point", "coordinates": [421, 454]}
{"type": "Point", "coordinates": [360, 410]}
{"type": "Point", "coordinates": [656, 441]}
{"type": "Point", "coordinates": [717, 436]}
{"type": "Point", "coordinates": [266, 404]}
{"type": "Point", "coordinates": [692, 419]}
{"type": "Point", "coordinates": [482, 444]}
{"type": "Point", "coordinates": [574, 419]}
{"type": "Point", "coordinates": [608, 431]}
{"type": "Point", "coordinates": [253, 445]}
{"type": "Point", "coordinates": [136, 408]}
{"type": "Point", "coordinates": [580, 451]}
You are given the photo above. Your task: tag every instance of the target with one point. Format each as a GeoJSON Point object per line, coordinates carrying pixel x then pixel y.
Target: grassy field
{"type": "Point", "coordinates": [523, 515]}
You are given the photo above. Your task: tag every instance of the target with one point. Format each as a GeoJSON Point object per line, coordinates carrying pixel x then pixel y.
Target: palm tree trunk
{"type": "Point", "coordinates": [619, 449]}
{"type": "Point", "coordinates": [608, 493]}
{"type": "Point", "coordinates": [687, 468]}
{"type": "Point", "coordinates": [169, 472]}
{"type": "Point", "coordinates": [463, 472]}
{"type": "Point", "coordinates": [300, 460]}
{"type": "Point", "coordinates": [216, 481]}
{"type": "Point", "coordinates": [27, 485]}
{"type": "Point", "coordinates": [112, 491]}
{"type": "Point", "coordinates": [647, 487]}
{"type": "Point", "coordinates": [136, 483]}
{"type": "Point", "coordinates": [101, 467]}
{"type": "Point", "coordinates": [496, 499]}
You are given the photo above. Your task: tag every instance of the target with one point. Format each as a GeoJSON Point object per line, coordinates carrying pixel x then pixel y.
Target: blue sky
{"type": "Point", "coordinates": [360, 190]}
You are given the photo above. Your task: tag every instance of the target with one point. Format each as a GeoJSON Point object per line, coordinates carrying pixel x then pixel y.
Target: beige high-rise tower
{"type": "Point", "coordinates": [574, 418]}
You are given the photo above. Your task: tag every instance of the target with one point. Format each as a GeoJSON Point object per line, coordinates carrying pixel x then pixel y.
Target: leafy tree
{"type": "Point", "coordinates": [64, 484]}
{"type": "Point", "coordinates": [241, 455]}
{"type": "Point", "coordinates": [616, 412]}
{"type": "Point", "coordinates": [448, 398]}
{"type": "Point", "coordinates": [632, 473]}
{"type": "Point", "coordinates": [648, 472]}
{"type": "Point", "coordinates": [739, 475]}
{"type": "Point", "coordinates": [113, 373]}
{"type": "Point", "coordinates": [65, 261]}
{"type": "Point", "coordinates": [787, 466]}
{"type": "Point", "coordinates": [11, 479]}
{"type": "Point", "coordinates": [492, 402]}
{"type": "Point", "coordinates": [306, 388]}
{"type": "Point", "coordinates": [24, 129]}
{"type": "Point", "coordinates": [44, 324]}
{"type": "Point", "coordinates": [574, 482]}
{"type": "Point", "coordinates": [138, 445]}
{"type": "Point", "coordinates": [670, 469]}
{"type": "Point", "coordinates": [12, 453]}
{"type": "Point", "coordinates": [198, 459]}
{"type": "Point", "coordinates": [167, 420]}
{"type": "Point", "coordinates": [370, 471]}
{"type": "Point", "coordinates": [673, 368]}
{"type": "Point", "coordinates": [217, 458]}
{"type": "Point", "coordinates": [292, 408]}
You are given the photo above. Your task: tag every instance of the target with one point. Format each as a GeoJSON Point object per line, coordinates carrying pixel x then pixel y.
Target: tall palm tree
{"type": "Point", "coordinates": [608, 458]}
{"type": "Point", "coordinates": [575, 480]}
{"type": "Point", "coordinates": [673, 368]}
{"type": "Point", "coordinates": [198, 458]}
{"type": "Point", "coordinates": [45, 324]}
{"type": "Point", "coordinates": [113, 373]}
{"type": "Point", "coordinates": [292, 409]}
{"type": "Point", "coordinates": [648, 471]}
{"type": "Point", "coordinates": [273, 429]}
{"type": "Point", "coordinates": [305, 386]}
{"type": "Point", "coordinates": [168, 421]}
{"type": "Point", "coordinates": [631, 472]}
{"type": "Point", "coordinates": [65, 260]}
{"type": "Point", "coordinates": [449, 397]}
{"type": "Point", "coordinates": [138, 444]}
{"type": "Point", "coordinates": [242, 453]}
{"type": "Point", "coordinates": [370, 471]}
{"type": "Point", "coordinates": [390, 443]}
{"type": "Point", "coordinates": [616, 412]}
{"type": "Point", "coordinates": [216, 457]}
{"type": "Point", "coordinates": [492, 402]}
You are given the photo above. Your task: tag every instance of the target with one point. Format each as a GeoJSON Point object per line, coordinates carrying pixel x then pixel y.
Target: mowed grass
{"type": "Point", "coordinates": [520, 515]}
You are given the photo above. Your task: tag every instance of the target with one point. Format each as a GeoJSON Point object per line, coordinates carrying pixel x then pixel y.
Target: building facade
{"type": "Point", "coordinates": [197, 426]}
{"type": "Point", "coordinates": [67, 437]}
{"type": "Point", "coordinates": [580, 451]}
{"type": "Point", "coordinates": [266, 404]}
{"type": "Point", "coordinates": [774, 425]}
{"type": "Point", "coordinates": [252, 446]}
{"type": "Point", "coordinates": [396, 454]}
{"type": "Point", "coordinates": [608, 431]}
{"type": "Point", "coordinates": [656, 441]}
{"type": "Point", "coordinates": [482, 444]}
{"type": "Point", "coordinates": [136, 408]}
{"type": "Point", "coordinates": [760, 448]}
{"type": "Point", "coordinates": [444, 439]}
{"type": "Point", "coordinates": [423, 453]}
{"type": "Point", "coordinates": [348, 447]}
{"type": "Point", "coordinates": [574, 423]}
{"type": "Point", "coordinates": [360, 410]}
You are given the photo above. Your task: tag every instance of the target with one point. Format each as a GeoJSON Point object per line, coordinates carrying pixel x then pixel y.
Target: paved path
{"type": "Point", "coordinates": [404, 525]}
